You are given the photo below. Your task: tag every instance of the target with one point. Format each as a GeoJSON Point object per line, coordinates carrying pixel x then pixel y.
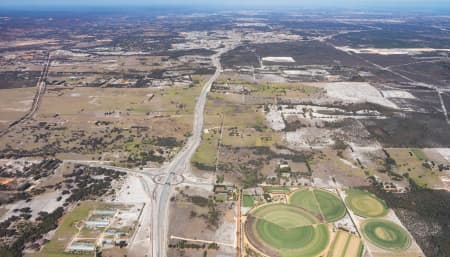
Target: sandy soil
{"type": "Point", "coordinates": [275, 119]}
{"type": "Point", "coordinates": [44, 202]}
{"type": "Point", "coordinates": [397, 94]}
{"type": "Point", "coordinates": [444, 152]}
{"type": "Point", "coordinates": [226, 233]}
{"type": "Point", "coordinates": [355, 92]}
{"type": "Point", "coordinates": [307, 137]}
{"type": "Point", "coordinates": [390, 51]}
{"type": "Point", "coordinates": [278, 59]}
{"type": "Point", "coordinates": [133, 192]}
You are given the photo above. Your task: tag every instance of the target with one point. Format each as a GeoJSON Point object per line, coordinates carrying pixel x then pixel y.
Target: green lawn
{"type": "Point", "coordinates": [248, 201]}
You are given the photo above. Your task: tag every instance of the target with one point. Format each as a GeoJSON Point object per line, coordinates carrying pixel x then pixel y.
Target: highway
{"type": "Point", "coordinates": [180, 164]}
{"type": "Point", "coordinates": [160, 193]}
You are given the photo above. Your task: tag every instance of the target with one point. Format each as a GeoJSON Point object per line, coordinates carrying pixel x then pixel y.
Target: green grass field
{"type": "Point", "coordinates": [365, 204]}
{"type": "Point", "coordinates": [206, 152]}
{"type": "Point", "coordinates": [331, 206]}
{"type": "Point", "coordinates": [319, 202]}
{"type": "Point", "coordinates": [301, 241]}
{"type": "Point", "coordinates": [286, 216]}
{"type": "Point", "coordinates": [248, 201]}
{"type": "Point", "coordinates": [318, 242]}
{"type": "Point", "coordinates": [305, 199]}
{"type": "Point", "coordinates": [386, 234]}
{"type": "Point", "coordinates": [289, 230]}
{"type": "Point", "coordinates": [282, 238]}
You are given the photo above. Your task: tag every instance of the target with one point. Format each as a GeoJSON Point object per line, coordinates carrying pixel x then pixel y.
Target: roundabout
{"type": "Point", "coordinates": [170, 179]}
{"type": "Point", "coordinates": [386, 234]}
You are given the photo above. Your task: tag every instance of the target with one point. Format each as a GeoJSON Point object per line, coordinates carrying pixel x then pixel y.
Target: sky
{"type": "Point", "coordinates": [244, 3]}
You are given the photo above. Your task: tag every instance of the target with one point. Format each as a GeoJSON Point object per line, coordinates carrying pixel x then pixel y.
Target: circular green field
{"type": "Point", "coordinates": [331, 206]}
{"type": "Point", "coordinates": [285, 216]}
{"type": "Point", "coordinates": [281, 229]}
{"type": "Point", "coordinates": [305, 199]}
{"type": "Point", "coordinates": [386, 234]}
{"type": "Point", "coordinates": [320, 202]}
{"type": "Point", "coordinates": [365, 204]}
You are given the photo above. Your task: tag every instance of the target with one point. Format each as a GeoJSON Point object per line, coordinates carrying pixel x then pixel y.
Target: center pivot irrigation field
{"type": "Point", "coordinates": [319, 202]}
{"type": "Point", "coordinates": [286, 230]}
{"type": "Point", "coordinates": [386, 234]}
{"type": "Point", "coordinates": [365, 204]}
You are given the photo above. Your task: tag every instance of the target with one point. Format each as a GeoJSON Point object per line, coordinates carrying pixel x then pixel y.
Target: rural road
{"type": "Point", "coordinates": [41, 86]}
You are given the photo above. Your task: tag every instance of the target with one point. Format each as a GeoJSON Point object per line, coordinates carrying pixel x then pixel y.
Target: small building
{"type": "Point", "coordinates": [220, 189]}
{"type": "Point", "coordinates": [104, 212]}
{"type": "Point", "coordinates": [98, 223]}
{"type": "Point", "coordinates": [115, 232]}
{"type": "Point", "coordinates": [81, 247]}
{"type": "Point", "coordinates": [254, 191]}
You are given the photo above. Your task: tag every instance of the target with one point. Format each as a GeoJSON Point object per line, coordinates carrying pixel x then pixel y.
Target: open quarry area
{"type": "Point", "coordinates": [223, 133]}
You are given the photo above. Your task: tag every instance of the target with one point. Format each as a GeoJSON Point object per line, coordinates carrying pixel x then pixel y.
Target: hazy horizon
{"type": "Point", "coordinates": [345, 4]}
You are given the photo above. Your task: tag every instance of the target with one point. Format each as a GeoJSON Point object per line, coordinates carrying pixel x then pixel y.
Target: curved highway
{"type": "Point", "coordinates": [179, 164]}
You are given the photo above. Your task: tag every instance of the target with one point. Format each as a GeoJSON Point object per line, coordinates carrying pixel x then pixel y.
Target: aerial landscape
{"type": "Point", "coordinates": [258, 129]}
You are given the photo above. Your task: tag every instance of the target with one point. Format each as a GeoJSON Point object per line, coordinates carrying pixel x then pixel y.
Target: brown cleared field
{"type": "Point", "coordinates": [354, 247]}
{"type": "Point", "coordinates": [267, 92]}
{"type": "Point", "coordinates": [338, 247]}
{"type": "Point", "coordinates": [14, 103]}
{"type": "Point", "coordinates": [243, 126]}
{"type": "Point", "coordinates": [31, 42]}
{"type": "Point", "coordinates": [106, 64]}
{"type": "Point", "coordinates": [107, 123]}
{"type": "Point", "coordinates": [327, 163]}
{"type": "Point", "coordinates": [345, 244]}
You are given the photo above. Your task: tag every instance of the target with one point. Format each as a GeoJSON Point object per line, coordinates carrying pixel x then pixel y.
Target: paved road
{"type": "Point", "coordinates": [180, 164]}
